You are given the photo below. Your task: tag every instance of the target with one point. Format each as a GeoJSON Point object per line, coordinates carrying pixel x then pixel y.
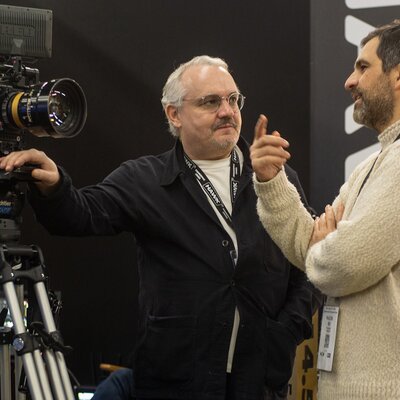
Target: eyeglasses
{"type": "Point", "coordinates": [212, 102]}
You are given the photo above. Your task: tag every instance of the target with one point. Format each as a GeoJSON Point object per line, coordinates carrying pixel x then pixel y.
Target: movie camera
{"type": "Point", "coordinates": [55, 108]}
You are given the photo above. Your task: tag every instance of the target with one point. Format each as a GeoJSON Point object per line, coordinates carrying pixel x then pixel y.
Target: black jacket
{"type": "Point", "coordinates": [188, 286]}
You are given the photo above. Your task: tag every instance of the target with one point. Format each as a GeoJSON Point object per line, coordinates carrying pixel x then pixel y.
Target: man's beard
{"type": "Point", "coordinates": [376, 107]}
{"type": "Point", "coordinates": [228, 142]}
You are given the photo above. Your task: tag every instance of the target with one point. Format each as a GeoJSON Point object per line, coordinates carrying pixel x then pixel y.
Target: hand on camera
{"type": "Point", "coordinates": [45, 172]}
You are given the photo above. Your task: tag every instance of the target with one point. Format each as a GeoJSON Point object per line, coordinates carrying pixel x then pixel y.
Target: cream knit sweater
{"type": "Point", "coordinates": [357, 266]}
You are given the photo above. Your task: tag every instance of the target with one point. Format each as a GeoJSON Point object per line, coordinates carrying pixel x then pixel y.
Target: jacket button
{"type": "Point", "coordinates": [225, 243]}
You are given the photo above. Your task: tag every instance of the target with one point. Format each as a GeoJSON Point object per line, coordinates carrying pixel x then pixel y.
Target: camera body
{"type": "Point", "coordinates": [55, 108]}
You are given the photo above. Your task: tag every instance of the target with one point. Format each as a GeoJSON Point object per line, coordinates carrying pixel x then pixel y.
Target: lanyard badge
{"type": "Point", "coordinates": [327, 338]}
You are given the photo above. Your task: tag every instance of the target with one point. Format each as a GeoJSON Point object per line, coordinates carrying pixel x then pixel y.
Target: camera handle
{"type": "Point", "coordinates": [26, 345]}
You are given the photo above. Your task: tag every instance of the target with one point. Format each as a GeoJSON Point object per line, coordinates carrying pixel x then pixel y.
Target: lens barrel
{"type": "Point", "coordinates": [55, 108]}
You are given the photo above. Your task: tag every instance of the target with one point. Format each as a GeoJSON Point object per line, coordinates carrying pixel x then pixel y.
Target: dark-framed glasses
{"type": "Point", "coordinates": [212, 102]}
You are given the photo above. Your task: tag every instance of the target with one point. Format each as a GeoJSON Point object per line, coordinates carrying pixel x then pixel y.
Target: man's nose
{"type": "Point", "coordinates": [225, 108]}
{"type": "Point", "coordinates": [351, 81]}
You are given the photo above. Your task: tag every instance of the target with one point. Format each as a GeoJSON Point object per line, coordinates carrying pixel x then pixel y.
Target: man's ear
{"type": "Point", "coordinates": [173, 115]}
{"type": "Point", "coordinates": [397, 76]}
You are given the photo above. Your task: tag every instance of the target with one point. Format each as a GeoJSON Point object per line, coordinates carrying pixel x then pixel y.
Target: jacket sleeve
{"type": "Point", "coordinates": [93, 210]}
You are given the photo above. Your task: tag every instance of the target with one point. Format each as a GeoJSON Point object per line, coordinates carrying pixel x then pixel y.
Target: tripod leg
{"type": "Point", "coordinates": [18, 363]}
{"type": "Point", "coordinates": [56, 362]}
{"type": "Point", "coordinates": [64, 375]}
{"type": "Point", "coordinates": [19, 328]}
{"type": "Point", "coordinates": [5, 372]}
{"type": "Point", "coordinates": [41, 370]}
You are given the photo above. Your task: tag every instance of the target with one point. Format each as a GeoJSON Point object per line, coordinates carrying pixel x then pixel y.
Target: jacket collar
{"type": "Point", "coordinates": [175, 163]}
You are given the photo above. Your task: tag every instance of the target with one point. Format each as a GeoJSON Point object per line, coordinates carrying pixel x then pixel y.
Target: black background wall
{"type": "Point", "coordinates": [121, 52]}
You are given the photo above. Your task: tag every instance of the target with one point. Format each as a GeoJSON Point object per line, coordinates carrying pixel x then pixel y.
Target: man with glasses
{"type": "Point", "coordinates": [221, 309]}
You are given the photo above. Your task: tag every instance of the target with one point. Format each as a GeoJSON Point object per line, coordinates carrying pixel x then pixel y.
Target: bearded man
{"type": "Point", "coordinates": [352, 252]}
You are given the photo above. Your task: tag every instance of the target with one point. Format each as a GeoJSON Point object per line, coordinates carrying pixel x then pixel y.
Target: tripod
{"type": "Point", "coordinates": [27, 345]}
{"type": "Point", "coordinates": [40, 346]}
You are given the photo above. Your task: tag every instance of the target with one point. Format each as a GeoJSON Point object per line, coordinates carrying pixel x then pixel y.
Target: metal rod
{"type": "Point", "coordinates": [5, 372]}
{"type": "Point", "coordinates": [19, 328]}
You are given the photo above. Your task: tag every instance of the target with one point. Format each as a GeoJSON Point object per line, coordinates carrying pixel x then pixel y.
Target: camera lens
{"type": "Point", "coordinates": [56, 108]}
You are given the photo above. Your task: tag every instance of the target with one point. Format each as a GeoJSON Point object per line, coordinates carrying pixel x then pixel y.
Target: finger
{"type": "Point", "coordinates": [276, 133]}
{"type": "Point", "coordinates": [8, 162]}
{"type": "Point", "coordinates": [330, 218]}
{"type": "Point", "coordinates": [269, 144]}
{"type": "Point", "coordinates": [316, 225]}
{"type": "Point", "coordinates": [268, 161]}
{"type": "Point", "coordinates": [261, 127]}
{"type": "Point", "coordinates": [269, 147]}
{"type": "Point", "coordinates": [19, 158]}
{"type": "Point", "coordinates": [339, 212]}
{"type": "Point", "coordinates": [315, 233]}
{"type": "Point", "coordinates": [283, 142]}
{"type": "Point", "coordinates": [322, 221]}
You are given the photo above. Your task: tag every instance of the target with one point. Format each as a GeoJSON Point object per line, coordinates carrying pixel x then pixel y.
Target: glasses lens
{"type": "Point", "coordinates": [240, 101]}
{"type": "Point", "coordinates": [211, 102]}
{"type": "Point", "coordinates": [233, 100]}
{"type": "Point", "coordinates": [236, 100]}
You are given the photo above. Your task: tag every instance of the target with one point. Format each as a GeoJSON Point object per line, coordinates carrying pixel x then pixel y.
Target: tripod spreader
{"type": "Point", "coordinates": [51, 340]}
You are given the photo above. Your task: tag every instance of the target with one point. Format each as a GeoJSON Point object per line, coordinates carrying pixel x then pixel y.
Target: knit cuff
{"type": "Point", "coordinates": [276, 191]}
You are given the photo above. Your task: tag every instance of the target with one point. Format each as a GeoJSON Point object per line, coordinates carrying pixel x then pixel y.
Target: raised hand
{"type": "Point", "coordinates": [268, 154]}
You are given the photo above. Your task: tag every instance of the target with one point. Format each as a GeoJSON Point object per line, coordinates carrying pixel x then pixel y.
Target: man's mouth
{"type": "Point", "coordinates": [223, 126]}
{"type": "Point", "coordinates": [356, 97]}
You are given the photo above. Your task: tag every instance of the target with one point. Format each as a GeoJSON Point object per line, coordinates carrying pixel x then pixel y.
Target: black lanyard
{"type": "Point", "coordinates": [208, 187]}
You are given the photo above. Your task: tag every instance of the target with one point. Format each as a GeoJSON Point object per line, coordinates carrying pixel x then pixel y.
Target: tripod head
{"type": "Point", "coordinates": [12, 200]}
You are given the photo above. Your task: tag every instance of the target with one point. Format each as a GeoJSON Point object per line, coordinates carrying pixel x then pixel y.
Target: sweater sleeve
{"type": "Point", "coordinates": [285, 218]}
{"type": "Point", "coordinates": [365, 246]}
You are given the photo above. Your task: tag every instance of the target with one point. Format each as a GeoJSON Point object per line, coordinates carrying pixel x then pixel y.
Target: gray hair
{"type": "Point", "coordinates": [174, 91]}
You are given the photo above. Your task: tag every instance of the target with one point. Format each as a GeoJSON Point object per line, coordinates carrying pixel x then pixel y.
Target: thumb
{"type": "Point", "coordinates": [46, 177]}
